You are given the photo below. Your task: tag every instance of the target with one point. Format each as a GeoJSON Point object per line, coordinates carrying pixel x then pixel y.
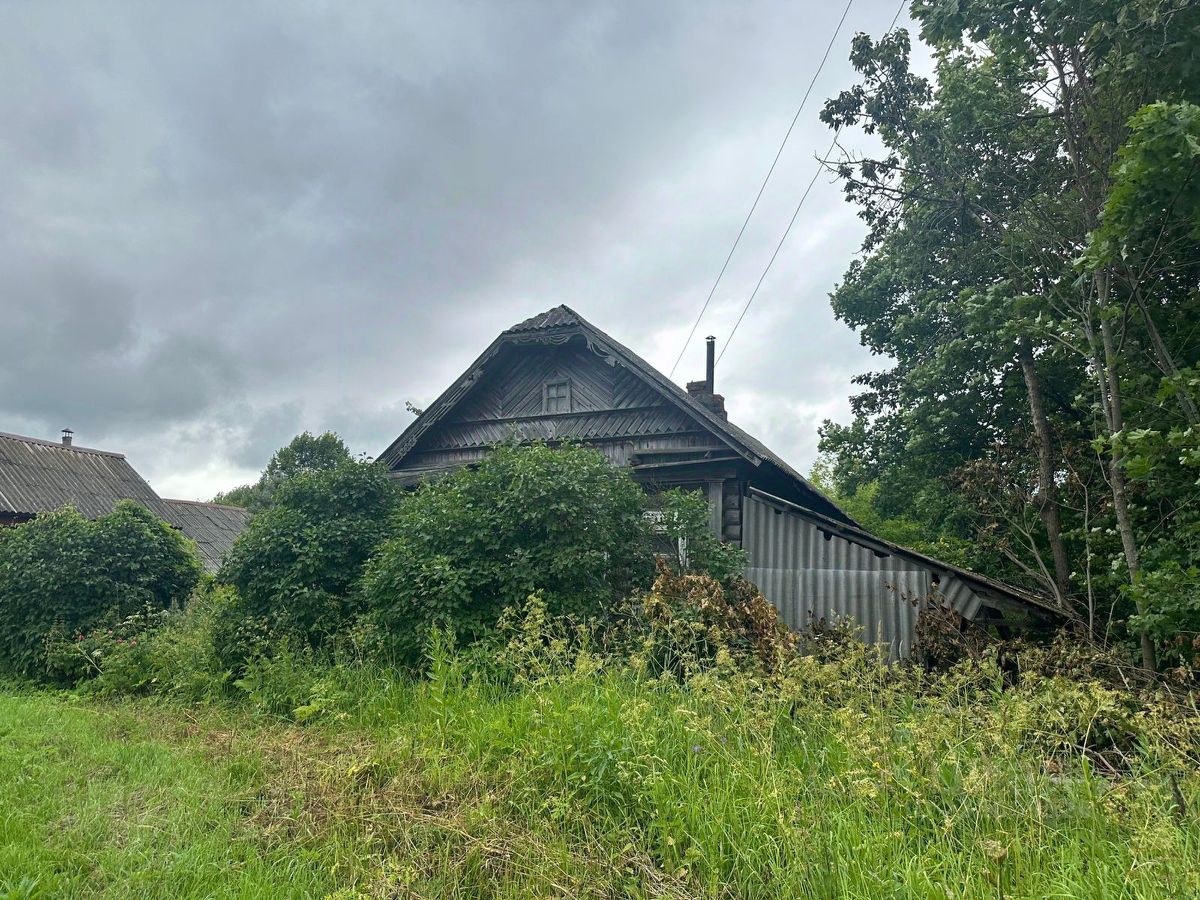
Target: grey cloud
{"type": "Point", "coordinates": [222, 223]}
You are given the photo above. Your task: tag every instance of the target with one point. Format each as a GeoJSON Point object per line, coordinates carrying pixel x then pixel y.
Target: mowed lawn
{"type": "Point", "coordinates": [124, 801]}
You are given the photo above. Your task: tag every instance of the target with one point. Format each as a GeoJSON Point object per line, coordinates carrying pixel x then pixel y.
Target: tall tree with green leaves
{"type": "Point", "coordinates": [306, 453]}
{"type": "Point", "coordinates": [1016, 350]}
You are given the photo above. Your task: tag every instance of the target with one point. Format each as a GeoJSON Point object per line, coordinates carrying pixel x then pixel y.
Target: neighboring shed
{"type": "Point", "coordinates": [38, 476]}
{"type": "Point", "coordinates": [557, 377]}
{"type": "Point", "coordinates": [213, 526]}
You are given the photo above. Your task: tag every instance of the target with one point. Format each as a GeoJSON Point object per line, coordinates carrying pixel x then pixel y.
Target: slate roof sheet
{"type": "Point", "coordinates": [38, 476]}
{"type": "Point", "coordinates": [213, 526]}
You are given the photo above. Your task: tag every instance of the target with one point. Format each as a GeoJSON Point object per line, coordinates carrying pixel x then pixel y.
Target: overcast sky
{"type": "Point", "coordinates": [225, 223]}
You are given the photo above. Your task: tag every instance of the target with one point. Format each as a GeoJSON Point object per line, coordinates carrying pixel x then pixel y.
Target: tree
{"type": "Point", "coordinates": [1015, 352]}
{"type": "Point", "coordinates": [305, 453]}
{"type": "Point", "coordinates": [296, 566]}
{"type": "Point", "coordinates": [561, 522]}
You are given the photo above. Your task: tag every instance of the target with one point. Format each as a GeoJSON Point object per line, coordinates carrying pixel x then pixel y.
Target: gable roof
{"type": "Point", "coordinates": [562, 321]}
{"type": "Point", "coordinates": [39, 476]}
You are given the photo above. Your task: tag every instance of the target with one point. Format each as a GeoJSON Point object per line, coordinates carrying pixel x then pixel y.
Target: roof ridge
{"type": "Point", "coordinates": [207, 503]}
{"type": "Point", "coordinates": [559, 316]}
{"type": "Point", "coordinates": [58, 445]}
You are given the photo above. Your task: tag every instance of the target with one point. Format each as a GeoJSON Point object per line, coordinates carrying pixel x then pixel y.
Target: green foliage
{"type": "Point", "coordinates": [177, 653]}
{"type": "Point", "coordinates": [685, 526]}
{"type": "Point", "coordinates": [288, 684]}
{"type": "Point", "coordinates": [296, 566]}
{"type": "Point", "coordinates": [1031, 269]}
{"type": "Point", "coordinates": [61, 573]}
{"type": "Point", "coordinates": [306, 453]}
{"type": "Point", "coordinates": [563, 522]}
{"type": "Point", "coordinates": [864, 506]}
{"type": "Point", "coordinates": [1153, 207]}
{"type": "Point", "coordinates": [115, 650]}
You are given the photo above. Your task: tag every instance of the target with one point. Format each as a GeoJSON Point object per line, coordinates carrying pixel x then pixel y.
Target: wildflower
{"type": "Point", "coordinates": [995, 851]}
{"type": "Point", "coordinates": [696, 748]}
{"type": "Point", "coordinates": [133, 642]}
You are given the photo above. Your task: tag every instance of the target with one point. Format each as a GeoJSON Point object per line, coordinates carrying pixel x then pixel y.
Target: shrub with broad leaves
{"type": "Point", "coordinates": [62, 571]}
{"type": "Point", "coordinates": [562, 522]}
{"type": "Point", "coordinates": [296, 566]}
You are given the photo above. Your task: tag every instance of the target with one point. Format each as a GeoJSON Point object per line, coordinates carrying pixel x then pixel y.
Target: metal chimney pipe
{"type": "Point", "coordinates": [711, 363]}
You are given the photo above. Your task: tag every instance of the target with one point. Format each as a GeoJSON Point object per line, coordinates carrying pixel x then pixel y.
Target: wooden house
{"type": "Point", "coordinates": [557, 377]}
{"type": "Point", "coordinates": [39, 476]}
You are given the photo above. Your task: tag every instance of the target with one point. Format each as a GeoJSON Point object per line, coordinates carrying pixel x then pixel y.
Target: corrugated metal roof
{"type": "Point", "coordinates": [863, 538]}
{"type": "Point", "coordinates": [38, 476]}
{"type": "Point", "coordinates": [811, 574]}
{"type": "Point", "coordinates": [213, 526]}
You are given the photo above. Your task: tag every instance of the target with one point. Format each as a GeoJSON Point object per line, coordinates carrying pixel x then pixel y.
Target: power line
{"type": "Point", "coordinates": [761, 188]}
{"type": "Point", "coordinates": [778, 246]}
{"type": "Point", "coordinates": [799, 206]}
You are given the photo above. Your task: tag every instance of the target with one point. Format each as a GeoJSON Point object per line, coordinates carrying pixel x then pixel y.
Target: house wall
{"type": "Point", "coordinates": [811, 575]}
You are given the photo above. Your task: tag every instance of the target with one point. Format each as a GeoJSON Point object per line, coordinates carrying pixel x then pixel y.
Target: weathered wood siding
{"type": "Point", "coordinates": [611, 409]}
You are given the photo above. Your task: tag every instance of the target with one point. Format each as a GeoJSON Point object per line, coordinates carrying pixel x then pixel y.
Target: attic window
{"type": "Point", "coordinates": [556, 396]}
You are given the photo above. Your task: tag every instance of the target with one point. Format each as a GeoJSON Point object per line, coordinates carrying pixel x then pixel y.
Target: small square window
{"type": "Point", "coordinates": [556, 397]}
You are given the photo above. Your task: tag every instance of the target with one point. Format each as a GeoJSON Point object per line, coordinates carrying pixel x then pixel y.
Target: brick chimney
{"type": "Point", "coordinates": [67, 436]}
{"type": "Point", "coordinates": [703, 390]}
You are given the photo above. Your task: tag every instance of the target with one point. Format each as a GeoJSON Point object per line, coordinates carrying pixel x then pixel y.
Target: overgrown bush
{"type": "Point", "coordinates": [296, 566]}
{"type": "Point", "coordinates": [63, 573]}
{"type": "Point", "coordinates": [687, 621]}
{"type": "Point", "coordinates": [563, 522]}
{"type": "Point", "coordinates": [684, 523]}
{"type": "Point", "coordinates": [115, 649]}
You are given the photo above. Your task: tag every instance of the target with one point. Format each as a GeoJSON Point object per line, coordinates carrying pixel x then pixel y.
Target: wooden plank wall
{"type": "Point", "coordinates": [611, 409]}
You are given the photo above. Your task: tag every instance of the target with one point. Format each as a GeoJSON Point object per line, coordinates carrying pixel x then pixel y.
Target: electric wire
{"type": "Point", "coordinates": [799, 206]}
{"type": "Point", "coordinates": [761, 188]}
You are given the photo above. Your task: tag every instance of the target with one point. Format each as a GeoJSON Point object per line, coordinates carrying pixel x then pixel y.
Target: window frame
{"type": "Point", "coordinates": [566, 397]}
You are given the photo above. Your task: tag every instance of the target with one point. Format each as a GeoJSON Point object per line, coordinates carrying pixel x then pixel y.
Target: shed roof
{"type": "Point", "coordinates": [213, 526]}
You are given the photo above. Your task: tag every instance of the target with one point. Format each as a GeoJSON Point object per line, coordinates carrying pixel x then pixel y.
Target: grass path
{"type": "Point", "coordinates": [120, 801]}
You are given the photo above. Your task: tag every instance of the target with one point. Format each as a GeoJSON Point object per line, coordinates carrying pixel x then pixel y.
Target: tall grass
{"type": "Point", "coordinates": [569, 774]}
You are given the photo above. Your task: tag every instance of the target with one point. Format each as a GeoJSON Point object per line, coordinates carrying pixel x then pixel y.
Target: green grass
{"type": "Point", "coordinates": [126, 800]}
{"type": "Point", "coordinates": [839, 781]}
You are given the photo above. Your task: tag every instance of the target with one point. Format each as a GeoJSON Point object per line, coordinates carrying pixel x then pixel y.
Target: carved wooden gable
{"type": "Point", "coordinates": [553, 391]}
